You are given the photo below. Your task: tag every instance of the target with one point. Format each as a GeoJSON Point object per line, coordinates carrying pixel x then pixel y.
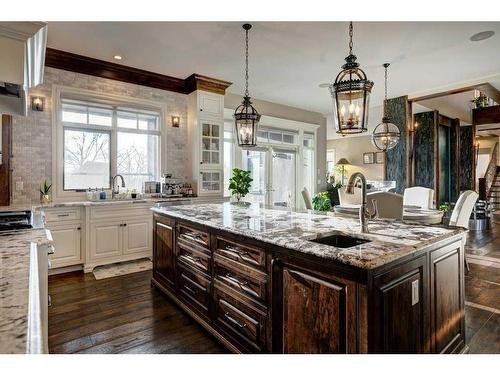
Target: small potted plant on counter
{"type": "Point", "coordinates": [239, 184]}
{"type": "Point", "coordinates": [45, 192]}
{"type": "Point", "coordinates": [321, 202]}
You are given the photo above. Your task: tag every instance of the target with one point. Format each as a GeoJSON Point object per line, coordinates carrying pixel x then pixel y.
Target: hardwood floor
{"type": "Point", "coordinates": [482, 290]}
{"type": "Point", "coordinates": [119, 315]}
{"type": "Point", "coordinates": [125, 315]}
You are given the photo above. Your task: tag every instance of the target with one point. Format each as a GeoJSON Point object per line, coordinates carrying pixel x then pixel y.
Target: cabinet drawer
{"type": "Point", "coordinates": [120, 211]}
{"type": "Point", "coordinates": [194, 237]}
{"type": "Point", "coordinates": [245, 255]}
{"type": "Point", "coordinates": [194, 289]}
{"type": "Point", "coordinates": [56, 215]}
{"type": "Point", "coordinates": [245, 280]}
{"type": "Point", "coordinates": [194, 258]}
{"type": "Point", "coordinates": [246, 326]}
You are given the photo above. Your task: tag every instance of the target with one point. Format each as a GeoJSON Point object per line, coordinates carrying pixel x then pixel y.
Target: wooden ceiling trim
{"type": "Point", "coordinates": [99, 68]}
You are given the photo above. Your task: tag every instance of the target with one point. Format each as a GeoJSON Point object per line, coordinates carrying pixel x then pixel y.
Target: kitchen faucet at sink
{"type": "Point", "coordinates": [364, 215]}
{"type": "Point", "coordinates": [113, 181]}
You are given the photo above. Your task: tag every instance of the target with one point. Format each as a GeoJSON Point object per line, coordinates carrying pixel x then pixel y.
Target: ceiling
{"type": "Point", "coordinates": [288, 60]}
{"type": "Point", "coordinates": [454, 106]}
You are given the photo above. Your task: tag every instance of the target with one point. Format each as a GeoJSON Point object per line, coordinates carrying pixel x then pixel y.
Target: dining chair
{"type": "Point", "coordinates": [307, 198]}
{"type": "Point", "coordinates": [388, 205]}
{"type": "Point", "coordinates": [461, 213]}
{"type": "Point", "coordinates": [348, 200]}
{"type": "Point", "coordinates": [419, 196]}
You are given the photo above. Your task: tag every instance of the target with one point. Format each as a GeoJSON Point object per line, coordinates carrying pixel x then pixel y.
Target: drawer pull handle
{"type": "Point", "coordinates": [51, 250]}
{"type": "Point", "coordinates": [194, 237]}
{"type": "Point", "coordinates": [192, 291]}
{"type": "Point", "coordinates": [236, 280]}
{"type": "Point", "coordinates": [193, 258]}
{"type": "Point", "coordinates": [234, 321]}
{"type": "Point", "coordinates": [164, 226]}
{"type": "Point", "coordinates": [237, 251]}
{"type": "Point", "coordinates": [62, 215]}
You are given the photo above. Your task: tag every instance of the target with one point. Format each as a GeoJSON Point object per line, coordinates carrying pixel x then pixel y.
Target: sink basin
{"type": "Point", "coordinates": [340, 240]}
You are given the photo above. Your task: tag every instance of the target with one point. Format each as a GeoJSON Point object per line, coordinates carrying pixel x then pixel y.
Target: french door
{"type": "Point", "coordinates": [274, 173]}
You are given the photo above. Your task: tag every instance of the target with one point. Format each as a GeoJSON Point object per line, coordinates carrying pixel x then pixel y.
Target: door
{"type": "Point", "coordinates": [5, 151]}
{"type": "Point", "coordinates": [401, 309]}
{"type": "Point", "coordinates": [67, 245]}
{"type": "Point", "coordinates": [211, 139]}
{"type": "Point", "coordinates": [444, 160]}
{"type": "Point", "coordinates": [164, 256]}
{"type": "Point", "coordinates": [318, 314]}
{"type": "Point", "coordinates": [137, 236]}
{"type": "Point", "coordinates": [274, 172]}
{"type": "Point", "coordinates": [106, 239]}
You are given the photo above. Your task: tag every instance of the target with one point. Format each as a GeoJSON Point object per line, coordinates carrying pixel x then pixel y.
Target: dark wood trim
{"type": "Point", "coordinates": [485, 88]}
{"type": "Point", "coordinates": [99, 68]}
{"type": "Point", "coordinates": [5, 171]}
{"type": "Point", "coordinates": [200, 82]}
{"type": "Point", "coordinates": [486, 115]}
{"type": "Point", "coordinates": [436, 156]}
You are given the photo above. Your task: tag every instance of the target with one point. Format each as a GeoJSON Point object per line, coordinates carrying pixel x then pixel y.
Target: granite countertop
{"type": "Point", "coordinates": [390, 240]}
{"type": "Point", "coordinates": [15, 250]}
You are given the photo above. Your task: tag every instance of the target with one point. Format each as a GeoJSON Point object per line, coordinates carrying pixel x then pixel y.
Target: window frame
{"type": "Point", "coordinates": [61, 92]}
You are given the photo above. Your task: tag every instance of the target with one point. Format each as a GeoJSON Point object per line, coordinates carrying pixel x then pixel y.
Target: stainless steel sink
{"type": "Point", "coordinates": [340, 240]}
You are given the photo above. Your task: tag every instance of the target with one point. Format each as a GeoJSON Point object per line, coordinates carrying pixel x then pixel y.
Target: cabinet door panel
{"type": "Point", "coordinates": [105, 240]}
{"type": "Point", "coordinates": [137, 236]}
{"type": "Point", "coordinates": [163, 249]}
{"type": "Point", "coordinates": [401, 309]}
{"type": "Point", "coordinates": [317, 313]}
{"type": "Point", "coordinates": [447, 294]}
{"type": "Point", "coordinates": [67, 245]}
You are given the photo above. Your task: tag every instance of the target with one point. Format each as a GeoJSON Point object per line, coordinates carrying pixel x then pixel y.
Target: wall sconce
{"type": "Point", "coordinates": [176, 121]}
{"type": "Point", "coordinates": [37, 103]}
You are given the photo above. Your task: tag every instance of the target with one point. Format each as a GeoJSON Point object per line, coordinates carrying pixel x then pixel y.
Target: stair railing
{"type": "Point", "coordinates": [491, 172]}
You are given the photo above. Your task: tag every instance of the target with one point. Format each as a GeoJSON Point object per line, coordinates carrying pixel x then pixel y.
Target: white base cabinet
{"type": "Point", "coordinates": [67, 243]}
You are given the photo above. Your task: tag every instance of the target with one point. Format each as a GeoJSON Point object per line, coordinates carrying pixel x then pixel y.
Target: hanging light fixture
{"type": "Point", "coordinates": [246, 117]}
{"type": "Point", "coordinates": [351, 94]}
{"type": "Point", "coordinates": [386, 135]}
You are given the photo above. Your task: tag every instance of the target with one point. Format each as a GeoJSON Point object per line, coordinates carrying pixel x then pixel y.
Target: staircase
{"type": "Point", "coordinates": [494, 192]}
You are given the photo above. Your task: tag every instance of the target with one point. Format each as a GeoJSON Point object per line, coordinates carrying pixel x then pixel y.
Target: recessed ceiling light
{"type": "Point", "coordinates": [482, 36]}
{"type": "Point", "coordinates": [117, 57]}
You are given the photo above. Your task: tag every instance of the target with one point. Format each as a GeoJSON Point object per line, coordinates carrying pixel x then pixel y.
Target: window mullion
{"type": "Point", "coordinates": [114, 143]}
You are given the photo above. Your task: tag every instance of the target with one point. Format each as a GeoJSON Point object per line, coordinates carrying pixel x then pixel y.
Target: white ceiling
{"type": "Point", "coordinates": [288, 60]}
{"type": "Point", "coordinates": [455, 106]}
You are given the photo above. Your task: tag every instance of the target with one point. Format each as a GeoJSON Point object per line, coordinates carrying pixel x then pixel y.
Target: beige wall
{"type": "Point", "coordinates": [352, 148]}
{"type": "Point", "coordinates": [296, 114]}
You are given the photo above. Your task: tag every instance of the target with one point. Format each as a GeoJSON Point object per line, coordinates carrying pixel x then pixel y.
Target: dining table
{"type": "Point", "coordinates": [411, 214]}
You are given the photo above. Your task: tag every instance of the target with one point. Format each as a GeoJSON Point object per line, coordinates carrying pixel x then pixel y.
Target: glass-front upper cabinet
{"type": "Point", "coordinates": [211, 134]}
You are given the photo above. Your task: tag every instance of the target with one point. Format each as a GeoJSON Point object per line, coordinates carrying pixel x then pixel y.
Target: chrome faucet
{"type": "Point", "coordinates": [113, 191]}
{"type": "Point", "coordinates": [364, 215]}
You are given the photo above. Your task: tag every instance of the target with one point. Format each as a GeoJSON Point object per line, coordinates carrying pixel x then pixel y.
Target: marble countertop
{"type": "Point", "coordinates": [15, 249]}
{"type": "Point", "coordinates": [389, 240]}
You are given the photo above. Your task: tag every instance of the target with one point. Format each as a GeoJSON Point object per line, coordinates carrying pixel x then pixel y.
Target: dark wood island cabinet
{"type": "Point", "coordinates": [265, 294]}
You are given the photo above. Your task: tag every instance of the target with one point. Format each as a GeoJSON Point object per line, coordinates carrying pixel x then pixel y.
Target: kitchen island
{"type": "Point", "coordinates": [271, 280]}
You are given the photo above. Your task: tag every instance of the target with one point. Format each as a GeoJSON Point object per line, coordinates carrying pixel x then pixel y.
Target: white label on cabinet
{"type": "Point", "coordinates": [414, 293]}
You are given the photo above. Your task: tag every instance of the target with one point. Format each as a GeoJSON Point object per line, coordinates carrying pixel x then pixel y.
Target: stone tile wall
{"type": "Point", "coordinates": [32, 135]}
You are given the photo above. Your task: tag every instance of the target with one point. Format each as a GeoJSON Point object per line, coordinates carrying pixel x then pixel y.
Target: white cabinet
{"type": "Point", "coordinates": [206, 141]}
{"type": "Point", "coordinates": [137, 236]}
{"type": "Point", "coordinates": [210, 104]}
{"type": "Point", "coordinates": [67, 244]}
{"type": "Point", "coordinates": [118, 234]}
{"type": "Point", "coordinates": [105, 240]}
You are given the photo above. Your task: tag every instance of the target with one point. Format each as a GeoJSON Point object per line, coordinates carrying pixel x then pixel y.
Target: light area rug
{"type": "Point", "coordinates": [122, 268]}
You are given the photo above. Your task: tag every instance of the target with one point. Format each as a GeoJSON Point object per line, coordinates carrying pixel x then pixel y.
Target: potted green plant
{"type": "Point", "coordinates": [321, 202]}
{"type": "Point", "coordinates": [45, 192]}
{"type": "Point", "coordinates": [239, 183]}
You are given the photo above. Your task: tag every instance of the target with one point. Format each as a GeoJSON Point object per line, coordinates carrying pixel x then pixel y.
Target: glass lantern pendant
{"type": "Point", "coordinates": [246, 117]}
{"type": "Point", "coordinates": [351, 95]}
{"type": "Point", "coordinates": [386, 135]}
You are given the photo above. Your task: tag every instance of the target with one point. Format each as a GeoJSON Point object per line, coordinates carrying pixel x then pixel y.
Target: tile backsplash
{"type": "Point", "coordinates": [32, 135]}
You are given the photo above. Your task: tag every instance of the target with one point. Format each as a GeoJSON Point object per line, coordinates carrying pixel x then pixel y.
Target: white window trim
{"type": "Point", "coordinates": [59, 91]}
{"type": "Point", "coordinates": [270, 122]}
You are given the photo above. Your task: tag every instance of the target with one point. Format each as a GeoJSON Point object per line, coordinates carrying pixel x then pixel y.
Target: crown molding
{"type": "Point", "coordinates": [99, 68]}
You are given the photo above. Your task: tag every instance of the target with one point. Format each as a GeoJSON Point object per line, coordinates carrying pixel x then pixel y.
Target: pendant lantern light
{"type": "Point", "coordinates": [246, 117]}
{"type": "Point", "coordinates": [351, 95]}
{"type": "Point", "coordinates": [386, 135]}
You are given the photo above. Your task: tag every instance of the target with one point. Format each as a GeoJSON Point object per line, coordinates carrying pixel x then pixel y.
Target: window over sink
{"type": "Point", "coordinates": [101, 139]}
